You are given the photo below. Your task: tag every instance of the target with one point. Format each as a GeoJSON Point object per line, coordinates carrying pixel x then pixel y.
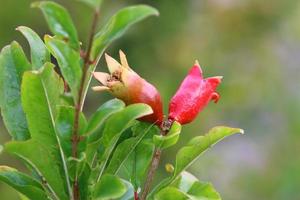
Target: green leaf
{"type": "Point", "coordinates": [129, 195]}
{"type": "Point", "coordinates": [39, 53]}
{"type": "Point", "coordinates": [76, 166]}
{"type": "Point", "coordinates": [95, 4]}
{"type": "Point", "coordinates": [41, 92]}
{"type": "Point", "coordinates": [136, 166]}
{"type": "Point", "coordinates": [96, 125]}
{"type": "Point", "coordinates": [195, 189]}
{"type": "Point", "coordinates": [64, 125]}
{"type": "Point", "coordinates": [118, 24]}
{"type": "Point", "coordinates": [115, 126]}
{"type": "Point", "coordinates": [83, 181]}
{"type": "Point", "coordinates": [43, 160]}
{"type": "Point", "coordinates": [188, 154]}
{"type": "Point", "coordinates": [127, 147]}
{"type": "Point", "coordinates": [169, 140]}
{"type": "Point", "coordinates": [100, 116]}
{"type": "Point", "coordinates": [171, 193]}
{"type": "Point", "coordinates": [13, 63]}
{"type": "Point", "coordinates": [69, 62]}
{"type": "Point", "coordinates": [22, 183]}
{"type": "Point", "coordinates": [109, 187]}
{"type": "Point", "coordinates": [59, 21]}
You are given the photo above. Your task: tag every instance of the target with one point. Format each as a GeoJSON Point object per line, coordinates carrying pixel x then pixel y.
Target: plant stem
{"type": "Point", "coordinates": [151, 172]}
{"type": "Point", "coordinates": [80, 102]}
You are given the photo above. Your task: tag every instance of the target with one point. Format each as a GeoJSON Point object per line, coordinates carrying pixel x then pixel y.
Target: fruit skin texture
{"type": "Point", "coordinates": [127, 85]}
{"type": "Point", "coordinates": [193, 95]}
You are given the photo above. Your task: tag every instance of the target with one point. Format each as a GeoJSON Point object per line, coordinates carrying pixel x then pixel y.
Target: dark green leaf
{"type": "Point", "coordinates": [115, 126]}
{"type": "Point", "coordinates": [64, 125]}
{"type": "Point", "coordinates": [169, 140]}
{"type": "Point", "coordinates": [13, 63]}
{"type": "Point", "coordinates": [136, 166]}
{"type": "Point", "coordinates": [59, 21]}
{"type": "Point", "coordinates": [39, 53]}
{"type": "Point", "coordinates": [41, 92]}
{"type": "Point", "coordinates": [44, 161]}
{"type": "Point", "coordinates": [109, 187]}
{"type": "Point", "coordinates": [68, 62]}
{"type": "Point", "coordinates": [118, 25]}
{"type": "Point", "coordinates": [125, 148]}
{"type": "Point", "coordinates": [84, 183]}
{"type": "Point", "coordinates": [22, 183]}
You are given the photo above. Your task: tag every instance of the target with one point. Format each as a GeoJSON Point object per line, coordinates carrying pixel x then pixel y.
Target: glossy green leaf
{"type": "Point", "coordinates": [100, 116]}
{"type": "Point", "coordinates": [95, 4]}
{"type": "Point", "coordinates": [195, 189]}
{"type": "Point", "coordinates": [43, 160]}
{"type": "Point", "coordinates": [39, 53]}
{"type": "Point", "coordinates": [109, 187]}
{"type": "Point", "coordinates": [59, 21]}
{"type": "Point", "coordinates": [188, 154]}
{"type": "Point", "coordinates": [169, 140]}
{"type": "Point", "coordinates": [83, 180]}
{"type": "Point", "coordinates": [22, 183]}
{"type": "Point", "coordinates": [76, 166]}
{"type": "Point", "coordinates": [124, 149]}
{"type": "Point", "coordinates": [171, 193]}
{"type": "Point", "coordinates": [135, 168]}
{"type": "Point", "coordinates": [41, 92]}
{"type": "Point", "coordinates": [69, 62]}
{"type": "Point", "coordinates": [96, 125]}
{"type": "Point", "coordinates": [129, 195]}
{"type": "Point", "coordinates": [115, 126]}
{"type": "Point", "coordinates": [118, 24]}
{"type": "Point", "coordinates": [64, 125]}
{"type": "Point", "coordinates": [13, 63]}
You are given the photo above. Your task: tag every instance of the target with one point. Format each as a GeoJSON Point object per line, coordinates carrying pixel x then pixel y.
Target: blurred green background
{"type": "Point", "coordinates": [254, 44]}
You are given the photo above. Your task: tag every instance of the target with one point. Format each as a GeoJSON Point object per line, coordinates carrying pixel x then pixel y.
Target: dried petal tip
{"type": "Point", "coordinates": [112, 64]}
{"type": "Point", "coordinates": [123, 59]}
{"type": "Point", "coordinates": [101, 77]}
{"type": "Point", "coordinates": [100, 88]}
{"type": "Point", "coordinates": [197, 63]}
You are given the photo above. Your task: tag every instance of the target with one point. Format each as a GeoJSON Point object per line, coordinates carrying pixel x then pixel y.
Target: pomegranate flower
{"type": "Point", "coordinates": [193, 95]}
{"type": "Point", "coordinates": [128, 86]}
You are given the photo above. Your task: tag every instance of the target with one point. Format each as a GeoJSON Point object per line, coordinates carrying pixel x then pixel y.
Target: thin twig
{"type": "Point", "coordinates": [154, 164]}
{"type": "Point", "coordinates": [80, 102]}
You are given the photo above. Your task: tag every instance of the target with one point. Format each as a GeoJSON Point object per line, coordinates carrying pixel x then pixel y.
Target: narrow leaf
{"type": "Point", "coordinates": [39, 53]}
{"type": "Point", "coordinates": [68, 62]}
{"type": "Point", "coordinates": [13, 63]}
{"type": "Point", "coordinates": [22, 183]}
{"type": "Point", "coordinates": [118, 24]}
{"type": "Point", "coordinates": [116, 125]}
{"type": "Point", "coordinates": [41, 92]}
{"type": "Point", "coordinates": [188, 154]}
{"type": "Point", "coordinates": [124, 150]}
{"type": "Point", "coordinates": [59, 21]}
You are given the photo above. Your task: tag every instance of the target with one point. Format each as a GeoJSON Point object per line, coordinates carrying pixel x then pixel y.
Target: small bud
{"type": "Point", "coordinates": [169, 168]}
{"type": "Point", "coordinates": [193, 95]}
{"type": "Point", "coordinates": [128, 86]}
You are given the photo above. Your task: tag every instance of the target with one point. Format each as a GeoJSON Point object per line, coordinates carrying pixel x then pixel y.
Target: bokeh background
{"type": "Point", "coordinates": [254, 44]}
